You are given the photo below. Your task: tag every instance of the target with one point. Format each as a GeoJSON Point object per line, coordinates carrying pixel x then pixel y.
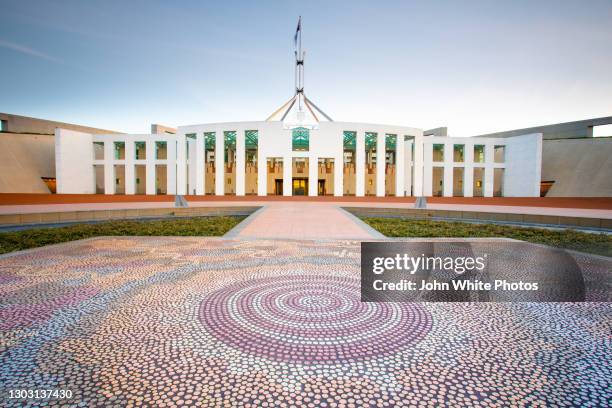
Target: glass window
{"type": "Point", "coordinates": [141, 150]}
{"type": "Point", "coordinates": [350, 140]}
{"type": "Point", "coordinates": [438, 152]}
{"type": "Point", "coordinates": [251, 141]}
{"type": "Point", "coordinates": [119, 150]}
{"type": "Point", "coordinates": [161, 150]}
{"type": "Point", "coordinates": [350, 147]}
{"type": "Point", "coordinates": [478, 182]}
{"type": "Point", "coordinates": [498, 182]}
{"type": "Point", "coordinates": [229, 143]}
{"type": "Point", "coordinates": [98, 150]}
{"type": "Point", "coordinates": [370, 162]}
{"type": "Point", "coordinates": [458, 176]}
{"type": "Point", "coordinates": [499, 154]}
{"type": "Point", "coordinates": [209, 162]}
{"type": "Point", "coordinates": [479, 154]}
{"type": "Point", "coordinates": [458, 153]}
{"type": "Point", "coordinates": [300, 139]}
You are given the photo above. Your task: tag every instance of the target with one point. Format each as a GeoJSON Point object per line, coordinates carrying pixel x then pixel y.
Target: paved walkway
{"type": "Point", "coordinates": [304, 221]}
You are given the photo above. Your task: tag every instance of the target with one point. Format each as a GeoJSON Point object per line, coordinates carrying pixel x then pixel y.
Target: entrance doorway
{"type": "Point", "coordinates": [278, 187]}
{"type": "Point", "coordinates": [300, 186]}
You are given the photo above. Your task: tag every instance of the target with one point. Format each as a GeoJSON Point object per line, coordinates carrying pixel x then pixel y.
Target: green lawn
{"type": "Point", "coordinates": [197, 226]}
{"type": "Point", "coordinates": [580, 241]}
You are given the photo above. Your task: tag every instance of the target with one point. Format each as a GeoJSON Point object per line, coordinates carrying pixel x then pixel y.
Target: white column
{"type": "Point", "coordinates": [360, 165]}
{"type": "Point", "coordinates": [418, 166]}
{"type": "Point", "coordinates": [448, 170]}
{"type": "Point", "coordinates": [109, 168]}
{"type": "Point", "coordinates": [488, 171]}
{"type": "Point", "coordinates": [400, 163]}
{"type": "Point", "coordinates": [192, 166]}
{"type": "Point", "coordinates": [262, 174]}
{"type": "Point", "coordinates": [488, 175]}
{"type": "Point", "coordinates": [219, 163]}
{"type": "Point", "coordinates": [171, 165]}
{"type": "Point", "coordinates": [408, 167]}
{"type": "Point", "coordinates": [240, 162]}
{"type": "Point", "coordinates": [313, 176]}
{"type": "Point", "coordinates": [199, 164]}
{"type": "Point", "coordinates": [381, 152]}
{"type": "Point", "coordinates": [130, 177]}
{"type": "Point", "coordinates": [287, 175]}
{"type": "Point", "coordinates": [427, 169]}
{"type": "Point", "coordinates": [488, 182]}
{"type": "Point", "coordinates": [339, 173]}
{"type": "Point", "coordinates": [181, 165]}
{"type": "Point", "coordinates": [468, 176]}
{"type": "Point", "coordinates": [150, 167]}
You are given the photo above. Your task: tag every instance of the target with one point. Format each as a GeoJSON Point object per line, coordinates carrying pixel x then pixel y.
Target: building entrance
{"type": "Point", "coordinates": [278, 187]}
{"type": "Point", "coordinates": [300, 186]}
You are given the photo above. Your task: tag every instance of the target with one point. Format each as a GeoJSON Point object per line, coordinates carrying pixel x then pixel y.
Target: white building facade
{"type": "Point", "coordinates": [270, 158]}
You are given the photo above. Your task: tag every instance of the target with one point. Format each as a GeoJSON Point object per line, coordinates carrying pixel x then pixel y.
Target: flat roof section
{"type": "Point", "coordinates": [566, 130]}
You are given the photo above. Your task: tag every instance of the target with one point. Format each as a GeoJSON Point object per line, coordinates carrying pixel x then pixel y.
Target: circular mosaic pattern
{"type": "Point", "coordinates": [310, 320]}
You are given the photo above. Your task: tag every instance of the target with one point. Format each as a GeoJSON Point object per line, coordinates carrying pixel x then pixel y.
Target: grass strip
{"type": "Point", "coordinates": [595, 243]}
{"type": "Point", "coordinates": [196, 226]}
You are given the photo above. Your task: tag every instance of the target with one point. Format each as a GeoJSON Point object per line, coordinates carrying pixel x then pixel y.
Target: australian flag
{"type": "Point", "coordinates": [297, 30]}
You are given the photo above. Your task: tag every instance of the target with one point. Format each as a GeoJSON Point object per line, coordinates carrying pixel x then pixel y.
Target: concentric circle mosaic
{"type": "Point", "coordinates": [192, 321]}
{"type": "Point", "coordinates": [310, 319]}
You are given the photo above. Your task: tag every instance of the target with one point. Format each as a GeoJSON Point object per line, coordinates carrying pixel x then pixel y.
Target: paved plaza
{"type": "Point", "coordinates": [227, 321]}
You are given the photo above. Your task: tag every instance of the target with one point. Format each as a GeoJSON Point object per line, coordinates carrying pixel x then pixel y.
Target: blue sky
{"type": "Point", "coordinates": [474, 66]}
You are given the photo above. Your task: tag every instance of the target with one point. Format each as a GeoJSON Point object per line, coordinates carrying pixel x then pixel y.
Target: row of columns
{"type": "Point", "coordinates": [185, 173]}
{"type": "Point", "coordinates": [468, 166]}
{"type": "Point", "coordinates": [192, 181]}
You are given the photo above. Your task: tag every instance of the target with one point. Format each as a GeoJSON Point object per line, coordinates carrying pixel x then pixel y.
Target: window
{"type": "Point", "coordinates": [499, 154]}
{"type": "Point", "coordinates": [3, 125]}
{"type": "Point", "coordinates": [478, 181]}
{"type": "Point", "coordinates": [98, 150]}
{"type": "Point", "coordinates": [119, 150]}
{"type": "Point", "coordinates": [251, 142]}
{"type": "Point", "coordinates": [229, 143]}
{"type": "Point", "coordinates": [458, 153]}
{"type": "Point", "coordinates": [479, 154]}
{"type": "Point", "coordinates": [438, 153]}
{"type": "Point", "coordinates": [498, 182]}
{"type": "Point", "coordinates": [458, 176]}
{"type": "Point", "coordinates": [161, 150]}
{"type": "Point", "coordinates": [371, 146]}
{"type": "Point", "coordinates": [300, 139]}
{"type": "Point", "coordinates": [140, 150]}
{"type": "Point", "coordinates": [437, 181]}
{"type": "Point", "coordinates": [209, 162]}
{"type": "Point", "coordinates": [350, 147]}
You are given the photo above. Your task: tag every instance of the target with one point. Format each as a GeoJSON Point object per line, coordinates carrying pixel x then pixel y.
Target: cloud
{"type": "Point", "coordinates": [28, 51]}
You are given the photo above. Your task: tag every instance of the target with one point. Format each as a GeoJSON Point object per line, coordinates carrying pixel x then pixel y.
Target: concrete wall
{"type": "Point", "coordinates": [74, 162]}
{"type": "Point", "coordinates": [24, 159]}
{"type": "Point", "coordinates": [579, 167]}
{"type": "Point", "coordinates": [524, 163]}
{"type": "Point", "coordinates": [25, 124]}
{"type": "Point", "coordinates": [521, 166]}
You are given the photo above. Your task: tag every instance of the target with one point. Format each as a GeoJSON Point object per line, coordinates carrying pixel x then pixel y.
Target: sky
{"type": "Point", "coordinates": [473, 66]}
